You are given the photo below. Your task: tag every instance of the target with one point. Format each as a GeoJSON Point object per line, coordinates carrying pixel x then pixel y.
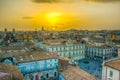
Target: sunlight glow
{"type": "Point", "coordinates": [54, 20]}
{"type": "Point", "coordinates": [53, 17]}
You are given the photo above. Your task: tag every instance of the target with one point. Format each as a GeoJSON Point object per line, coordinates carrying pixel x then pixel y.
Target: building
{"type": "Point", "coordinates": [111, 70]}
{"type": "Point", "coordinates": [63, 63]}
{"type": "Point", "coordinates": [12, 49]}
{"type": "Point", "coordinates": [72, 49]}
{"type": "Point", "coordinates": [101, 52]}
{"type": "Point", "coordinates": [8, 38]}
{"type": "Point", "coordinates": [118, 51]}
{"type": "Point", "coordinates": [76, 74]}
{"type": "Point", "coordinates": [34, 65]}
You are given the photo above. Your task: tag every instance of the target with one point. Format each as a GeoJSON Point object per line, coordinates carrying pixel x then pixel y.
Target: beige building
{"type": "Point", "coordinates": [111, 70]}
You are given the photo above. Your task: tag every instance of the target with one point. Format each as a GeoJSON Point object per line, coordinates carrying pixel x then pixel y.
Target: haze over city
{"type": "Point", "coordinates": [60, 14]}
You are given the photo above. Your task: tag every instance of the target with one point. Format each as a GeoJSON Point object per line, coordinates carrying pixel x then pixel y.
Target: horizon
{"type": "Point", "coordinates": [10, 30]}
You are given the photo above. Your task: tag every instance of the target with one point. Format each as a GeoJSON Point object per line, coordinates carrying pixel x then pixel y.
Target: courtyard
{"type": "Point", "coordinates": [91, 66]}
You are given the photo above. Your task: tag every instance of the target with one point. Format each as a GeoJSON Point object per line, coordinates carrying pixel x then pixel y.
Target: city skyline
{"type": "Point", "coordinates": [60, 14]}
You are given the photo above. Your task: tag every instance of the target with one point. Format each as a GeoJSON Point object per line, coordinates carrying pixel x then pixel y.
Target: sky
{"type": "Point", "coordinates": [60, 14]}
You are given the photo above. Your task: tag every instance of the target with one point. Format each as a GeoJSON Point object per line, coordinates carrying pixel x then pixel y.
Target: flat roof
{"type": "Point", "coordinates": [73, 73]}
{"type": "Point", "coordinates": [59, 42]}
{"type": "Point", "coordinates": [114, 64]}
{"type": "Point", "coordinates": [101, 47]}
{"type": "Point", "coordinates": [3, 48]}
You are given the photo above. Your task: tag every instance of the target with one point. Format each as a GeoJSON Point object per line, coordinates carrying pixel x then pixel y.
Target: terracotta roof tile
{"type": "Point", "coordinates": [114, 64]}
{"type": "Point", "coordinates": [30, 55]}
{"type": "Point", "coordinates": [11, 69]}
{"type": "Point", "coordinates": [77, 74]}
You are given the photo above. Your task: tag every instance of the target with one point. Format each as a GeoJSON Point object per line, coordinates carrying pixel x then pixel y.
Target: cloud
{"type": "Point", "coordinates": [45, 1]}
{"type": "Point", "coordinates": [68, 1]}
{"type": "Point", "coordinates": [55, 1]}
{"type": "Point", "coordinates": [27, 17]}
{"type": "Point", "coordinates": [104, 0]}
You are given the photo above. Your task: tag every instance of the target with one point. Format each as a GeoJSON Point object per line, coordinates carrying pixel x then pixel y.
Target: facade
{"type": "Point", "coordinates": [34, 65]}
{"type": "Point", "coordinates": [118, 51]}
{"type": "Point", "coordinates": [101, 52]}
{"type": "Point", "coordinates": [111, 70]}
{"type": "Point", "coordinates": [63, 63]}
{"type": "Point", "coordinates": [68, 48]}
{"type": "Point", "coordinates": [40, 70]}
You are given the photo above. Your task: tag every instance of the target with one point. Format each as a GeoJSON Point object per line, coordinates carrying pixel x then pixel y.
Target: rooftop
{"type": "Point", "coordinates": [101, 47]}
{"type": "Point", "coordinates": [63, 62]}
{"type": "Point", "coordinates": [2, 74]}
{"type": "Point", "coordinates": [77, 74]}
{"type": "Point", "coordinates": [60, 42]}
{"type": "Point", "coordinates": [30, 55]}
{"type": "Point", "coordinates": [10, 69]}
{"type": "Point", "coordinates": [64, 58]}
{"type": "Point", "coordinates": [114, 64]}
{"type": "Point", "coordinates": [3, 48]}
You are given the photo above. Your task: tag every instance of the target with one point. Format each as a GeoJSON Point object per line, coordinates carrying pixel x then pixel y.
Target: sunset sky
{"type": "Point", "coordinates": [60, 14]}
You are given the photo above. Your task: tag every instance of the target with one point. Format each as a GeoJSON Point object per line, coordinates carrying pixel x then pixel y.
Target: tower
{"type": "Point", "coordinates": [5, 32]}
{"type": "Point", "coordinates": [42, 29]}
{"type": "Point", "coordinates": [13, 31]}
{"type": "Point", "coordinates": [43, 32]}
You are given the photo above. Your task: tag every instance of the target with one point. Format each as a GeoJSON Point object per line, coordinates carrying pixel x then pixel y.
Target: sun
{"type": "Point", "coordinates": [53, 17]}
{"type": "Point", "coordinates": [54, 20]}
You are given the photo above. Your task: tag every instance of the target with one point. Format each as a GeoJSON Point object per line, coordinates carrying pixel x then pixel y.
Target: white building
{"type": "Point", "coordinates": [104, 52]}
{"type": "Point", "coordinates": [71, 49]}
{"type": "Point", "coordinates": [111, 70]}
{"type": "Point", "coordinates": [118, 51]}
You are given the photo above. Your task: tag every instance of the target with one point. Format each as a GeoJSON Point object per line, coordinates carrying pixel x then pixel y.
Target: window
{"type": "Point", "coordinates": [64, 48]}
{"type": "Point", "coordinates": [55, 64]}
{"type": "Point", "coordinates": [45, 61]}
{"type": "Point", "coordinates": [60, 49]}
{"type": "Point", "coordinates": [50, 65]}
{"type": "Point", "coordinates": [111, 74]}
{"type": "Point", "coordinates": [50, 60]}
{"type": "Point", "coordinates": [73, 53]}
{"type": "Point", "coordinates": [47, 75]}
{"type": "Point", "coordinates": [55, 74]}
{"type": "Point", "coordinates": [42, 78]}
{"type": "Point", "coordinates": [52, 49]}
{"type": "Point", "coordinates": [55, 60]}
{"type": "Point", "coordinates": [60, 54]}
